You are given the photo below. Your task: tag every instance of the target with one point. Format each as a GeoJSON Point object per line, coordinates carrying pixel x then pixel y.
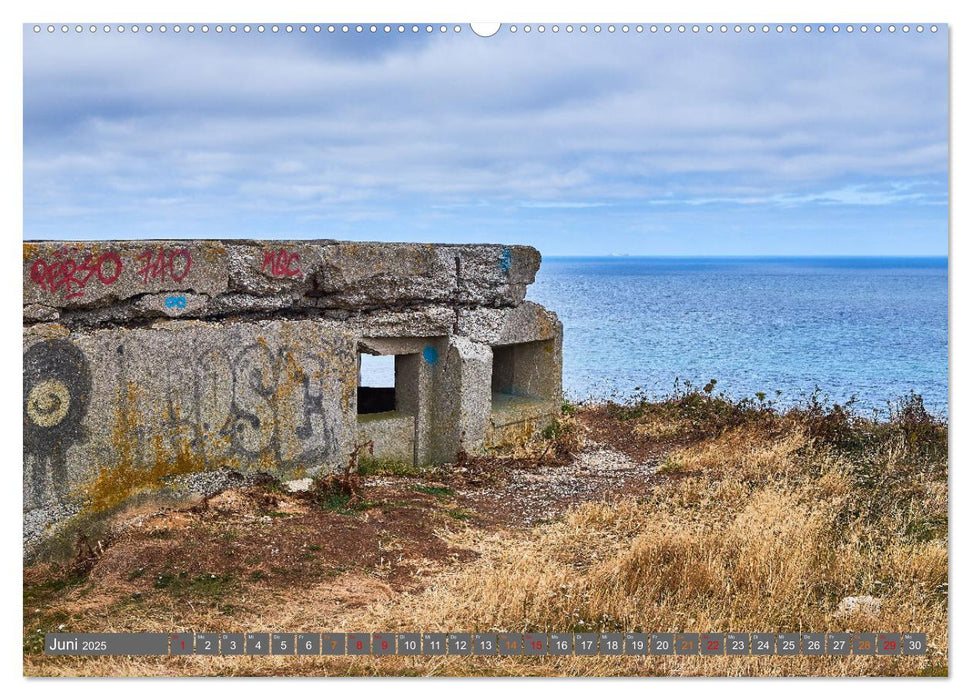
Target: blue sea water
{"type": "Point", "coordinates": [870, 328]}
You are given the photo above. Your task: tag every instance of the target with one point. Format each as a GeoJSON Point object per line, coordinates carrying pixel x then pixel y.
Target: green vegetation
{"type": "Point", "coordinates": [437, 491]}
{"type": "Point", "coordinates": [211, 586]}
{"type": "Point", "coordinates": [372, 466]}
{"type": "Point", "coordinates": [336, 501]}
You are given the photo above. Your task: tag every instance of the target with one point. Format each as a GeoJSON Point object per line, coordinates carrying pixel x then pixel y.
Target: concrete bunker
{"type": "Point", "coordinates": [151, 367]}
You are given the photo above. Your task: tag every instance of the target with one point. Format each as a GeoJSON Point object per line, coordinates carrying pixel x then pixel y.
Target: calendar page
{"type": "Point", "coordinates": [514, 349]}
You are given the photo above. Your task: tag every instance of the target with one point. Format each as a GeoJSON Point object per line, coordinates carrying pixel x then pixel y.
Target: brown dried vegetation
{"type": "Point", "coordinates": [754, 520]}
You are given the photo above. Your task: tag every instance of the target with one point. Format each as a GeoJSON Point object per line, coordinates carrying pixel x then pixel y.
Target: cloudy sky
{"type": "Point", "coordinates": [647, 144]}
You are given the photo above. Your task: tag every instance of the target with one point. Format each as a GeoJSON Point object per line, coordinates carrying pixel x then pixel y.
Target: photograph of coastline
{"type": "Point", "coordinates": [622, 334]}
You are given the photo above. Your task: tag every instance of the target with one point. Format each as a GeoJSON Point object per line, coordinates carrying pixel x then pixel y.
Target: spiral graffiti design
{"type": "Point", "coordinates": [57, 387]}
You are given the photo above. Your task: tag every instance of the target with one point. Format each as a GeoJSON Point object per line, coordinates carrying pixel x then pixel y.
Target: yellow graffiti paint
{"type": "Point", "coordinates": [48, 403]}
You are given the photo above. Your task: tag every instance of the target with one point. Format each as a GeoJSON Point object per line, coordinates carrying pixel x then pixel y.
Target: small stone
{"type": "Point", "coordinates": [298, 485]}
{"type": "Point", "coordinates": [852, 605]}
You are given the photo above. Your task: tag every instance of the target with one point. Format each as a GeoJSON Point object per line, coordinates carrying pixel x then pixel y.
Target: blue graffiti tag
{"type": "Point", "coordinates": [430, 354]}
{"type": "Point", "coordinates": [173, 302]}
{"type": "Point", "coordinates": [505, 261]}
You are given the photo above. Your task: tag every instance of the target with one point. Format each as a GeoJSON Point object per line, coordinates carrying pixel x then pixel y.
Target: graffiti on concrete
{"type": "Point", "coordinates": [70, 274]}
{"type": "Point", "coordinates": [505, 261]}
{"type": "Point", "coordinates": [281, 263]}
{"type": "Point", "coordinates": [255, 403]}
{"type": "Point", "coordinates": [164, 264]}
{"type": "Point", "coordinates": [213, 405]}
{"type": "Point", "coordinates": [57, 386]}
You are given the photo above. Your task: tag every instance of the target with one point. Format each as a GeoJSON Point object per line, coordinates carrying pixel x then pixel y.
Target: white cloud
{"type": "Point", "coordinates": [166, 127]}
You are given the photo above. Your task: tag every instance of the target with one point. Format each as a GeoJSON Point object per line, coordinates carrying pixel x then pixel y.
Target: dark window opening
{"type": "Point", "coordinates": [388, 383]}
{"type": "Point", "coordinates": [375, 399]}
{"type": "Point", "coordinates": [376, 384]}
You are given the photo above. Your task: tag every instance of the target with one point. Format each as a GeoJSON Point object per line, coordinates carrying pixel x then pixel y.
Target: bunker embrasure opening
{"type": "Point", "coordinates": [521, 371]}
{"type": "Point", "coordinates": [387, 383]}
{"type": "Point", "coordinates": [524, 381]}
{"type": "Point", "coordinates": [387, 402]}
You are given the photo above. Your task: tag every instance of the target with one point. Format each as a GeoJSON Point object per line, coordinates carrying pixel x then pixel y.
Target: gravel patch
{"type": "Point", "coordinates": [211, 482]}
{"type": "Point", "coordinates": [544, 493]}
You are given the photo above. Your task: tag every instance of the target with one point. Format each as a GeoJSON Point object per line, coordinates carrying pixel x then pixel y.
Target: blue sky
{"type": "Point", "coordinates": [643, 144]}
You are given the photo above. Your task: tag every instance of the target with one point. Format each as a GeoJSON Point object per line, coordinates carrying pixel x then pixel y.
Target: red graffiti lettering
{"type": "Point", "coordinates": [64, 272]}
{"type": "Point", "coordinates": [281, 263]}
{"type": "Point", "coordinates": [159, 263]}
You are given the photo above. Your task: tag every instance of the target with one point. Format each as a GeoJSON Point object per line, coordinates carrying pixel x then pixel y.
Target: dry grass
{"type": "Point", "coordinates": [556, 443]}
{"type": "Point", "coordinates": [762, 527]}
{"type": "Point", "coordinates": [760, 521]}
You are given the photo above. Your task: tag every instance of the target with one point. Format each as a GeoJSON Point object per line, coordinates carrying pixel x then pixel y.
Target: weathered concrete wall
{"type": "Point", "coordinates": [151, 367]}
{"type": "Point", "coordinates": [392, 435]}
{"type": "Point", "coordinates": [86, 283]}
{"type": "Point", "coordinates": [130, 406]}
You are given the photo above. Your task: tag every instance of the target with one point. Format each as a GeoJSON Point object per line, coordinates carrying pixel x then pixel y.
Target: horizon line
{"type": "Point", "coordinates": [751, 255]}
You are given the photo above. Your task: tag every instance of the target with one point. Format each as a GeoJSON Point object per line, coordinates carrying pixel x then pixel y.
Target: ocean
{"type": "Point", "coordinates": [870, 328]}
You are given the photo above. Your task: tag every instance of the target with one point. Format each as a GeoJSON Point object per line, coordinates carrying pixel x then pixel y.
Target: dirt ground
{"type": "Point", "coordinates": [260, 558]}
